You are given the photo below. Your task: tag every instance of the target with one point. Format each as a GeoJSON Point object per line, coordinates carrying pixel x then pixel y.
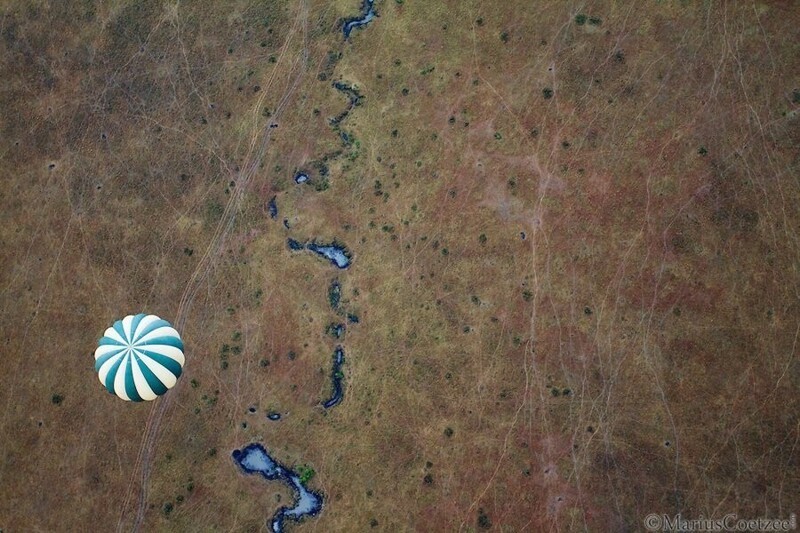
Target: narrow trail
{"type": "Point", "coordinates": [258, 144]}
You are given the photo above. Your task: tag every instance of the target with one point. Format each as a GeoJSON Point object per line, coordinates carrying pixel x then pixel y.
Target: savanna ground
{"type": "Point", "coordinates": [635, 352]}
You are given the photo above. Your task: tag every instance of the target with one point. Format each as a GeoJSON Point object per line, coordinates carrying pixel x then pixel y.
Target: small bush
{"type": "Point", "coordinates": [527, 295]}
{"type": "Point", "coordinates": [306, 473]}
{"type": "Point", "coordinates": [484, 522]}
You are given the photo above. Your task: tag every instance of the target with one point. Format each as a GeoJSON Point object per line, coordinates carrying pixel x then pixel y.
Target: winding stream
{"type": "Point", "coordinates": [336, 378]}
{"type": "Point", "coordinates": [272, 207]}
{"type": "Point", "coordinates": [254, 459]}
{"type": "Point", "coordinates": [335, 253]}
{"type": "Point", "coordinates": [367, 14]}
{"type": "Point", "coordinates": [335, 294]}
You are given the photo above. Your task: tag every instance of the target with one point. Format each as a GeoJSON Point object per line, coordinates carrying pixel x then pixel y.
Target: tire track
{"type": "Point", "coordinates": [259, 141]}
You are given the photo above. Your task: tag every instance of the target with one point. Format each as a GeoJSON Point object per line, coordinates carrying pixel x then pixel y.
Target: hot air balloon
{"type": "Point", "coordinates": [139, 358]}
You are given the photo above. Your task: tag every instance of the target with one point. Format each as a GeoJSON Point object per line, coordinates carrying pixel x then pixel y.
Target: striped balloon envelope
{"type": "Point", "coordinates": [139, 358]}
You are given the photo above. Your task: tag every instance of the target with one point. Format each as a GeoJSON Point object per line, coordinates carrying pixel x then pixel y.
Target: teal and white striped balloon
{"type": "Point", "coordinates": [139, 358]}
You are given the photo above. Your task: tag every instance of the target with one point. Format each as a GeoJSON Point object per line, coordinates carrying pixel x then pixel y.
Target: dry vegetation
{"type": "Point", "coordinates": [575, 239]}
